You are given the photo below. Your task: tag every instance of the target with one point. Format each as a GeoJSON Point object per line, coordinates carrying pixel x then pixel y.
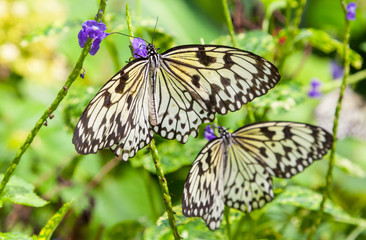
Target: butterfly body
{"type": "Point", "coordinates": [171, 94]}
{"type": "Point", "coordinates": [237, 169]}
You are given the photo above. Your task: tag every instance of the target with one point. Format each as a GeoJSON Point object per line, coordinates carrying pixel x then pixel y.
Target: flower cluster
{"type": "Point", "coordinates": [351, 11]}
{"type": "Point", "coordinates": [314, 90]}
{"type": "Point", "coordinates": [209, 133]}
{"type": "Point", "coordinates": [139, 48]}
{"type": "Point", "coordinates": [94, 30]}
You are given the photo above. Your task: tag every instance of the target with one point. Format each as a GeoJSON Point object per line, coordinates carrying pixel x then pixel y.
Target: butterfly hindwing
{"type": "Point", "coordinates": [203, 194]}
{"type": "Point", "coordinates": [117, 117]}
{"type": "Point", "coordinates": [248, 185]}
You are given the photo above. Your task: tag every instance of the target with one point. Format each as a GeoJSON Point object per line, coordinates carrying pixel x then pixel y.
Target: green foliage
{"type": "Point", "coordinates": [38, 50]}
{"type": "Point", "coordinates": [126, 230]}
{"type": "Point", "coordinates": [189, 228]}
{"type": "Point", "coordinates": [324, 42]}
{"type": "Point", "coordinates": [15, 236]}
{"type": "Point", "coordinates": [20, 192]}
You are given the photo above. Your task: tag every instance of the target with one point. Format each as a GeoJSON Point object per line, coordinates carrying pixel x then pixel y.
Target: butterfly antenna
{"type": "Point", "coordinates": [126, 35]}
{"type": "Point", "coordinates": [156, 23]}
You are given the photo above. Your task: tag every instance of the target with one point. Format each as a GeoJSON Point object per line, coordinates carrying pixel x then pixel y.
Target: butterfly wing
{"type": "Point", "coordinates": [203, 194]}
{"type": "Point", "coordinates": [284, 148]}
{"type": "Point", "coordinates": [263, 150]}
{"type": "Point", "coordinates": [118, 116]}
{"type": "Point", "coordinates": [196, 81]}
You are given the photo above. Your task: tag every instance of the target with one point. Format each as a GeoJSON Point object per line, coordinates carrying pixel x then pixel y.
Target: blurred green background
{"type": "Point", "coordinates": [122, 200]}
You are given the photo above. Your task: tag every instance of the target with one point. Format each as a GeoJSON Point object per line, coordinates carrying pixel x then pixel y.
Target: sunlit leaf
{"type": "Point", "coordinates": [349, 167]}
{"type": "Point", "coordinates": [173, 155]}
{"type": "Point", "coordinates": [309, 199]}
{"type": "Point", "coordinates": [52, 224]}
{"type": "Point", "coordinates": [15, 236]}
{"type": "Point", "coordinates": [20, 192]}
{"type": "Point", "coordinates": [324, 42]}
{"type": "Point", "coordinates": [188, 228]}
{"type": "Point", "coordinates": [258, 42]}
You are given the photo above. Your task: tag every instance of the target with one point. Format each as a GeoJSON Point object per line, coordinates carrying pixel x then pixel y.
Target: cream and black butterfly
{"type": "Point", "coordinates": [237, 169]}
{"type": "Point", "coordinates": [172, 94]}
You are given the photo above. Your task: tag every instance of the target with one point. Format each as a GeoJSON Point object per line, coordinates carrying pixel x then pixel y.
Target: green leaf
{"type": "Point", "coordinates": [52, 224]}
{"type": "Point", "coordinates": [309, 199]}
{"type": "Point", "coordinates": [188, 228]}
{"type": "Point", "coordinates": [126, 230]}
{"type": "Point", "coordinates": [14, 236]}
{"type": "Point", "coordinates": [20, 192]}
{"type": "Point", "coordinates": [324, 42]}
{"type": "Point", "coordinates": [256, 41]}
{"type": "Point", "coordinates": [74, 104]}
{"type": "Point", "coordinates": [349, 167]}
{"type": "Point", "coordinates": [170, 153]}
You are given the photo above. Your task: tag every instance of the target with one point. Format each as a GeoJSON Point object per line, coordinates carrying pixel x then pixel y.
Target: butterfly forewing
{"type": "Point", "coordinates": [284, 148]}
{"type": "Point", "coordinates": [196, 81]}
{"type": "Point", "coordinates": [117, 117]}
{"type": "Point", "coordinates": [224, 78]}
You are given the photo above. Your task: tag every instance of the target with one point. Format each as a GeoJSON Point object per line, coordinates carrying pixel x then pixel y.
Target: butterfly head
{"type": "Point", "coordinates": [151, 49]}
{"type": "Point", "coordinates": [224, 133]}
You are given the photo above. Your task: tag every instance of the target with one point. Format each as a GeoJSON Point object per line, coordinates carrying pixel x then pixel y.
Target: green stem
{"type": "Point", "coordinates": [229, 23]}
{"type": "Point", "coordinates": [227, 219]}
{"type": "Point", "coordinates": [291, 32]}
{"type": "Point", "coordinates": [329, 176]}
{"type": "Point", "coordinates": [230, 26]}
{"type": "Point", "coordinates": [60, 96]}
{"type": "Point", "coordinates": [164, 189]}
{"type": "Point", "coordinates": [154, 153]}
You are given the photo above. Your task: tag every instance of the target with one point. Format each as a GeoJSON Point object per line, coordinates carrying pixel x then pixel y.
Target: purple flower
{"type": "Point", "coordinates": [314, 89]}
{"type": "Point", "coordinates": [139, 48]}
{"type": "Point", "coordinates": [209, 133]}
{"type": "Point", "coordinates": [94, 30]}
{"type": "Point", "coordinates": [351, 11]}
{"type": "Point", "coordinates": [337, 71]}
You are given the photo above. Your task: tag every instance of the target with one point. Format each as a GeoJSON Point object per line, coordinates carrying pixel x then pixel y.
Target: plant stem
{"type": "Point", "coordinates": [164, 189]}
{"type": "Point", "coordinates": [230, 26]}
{"type": "Point", "coordinates": [229, 23]}
{"type": "Point", "coordinates": [60, 96]}
{"type": "Point", "coordinates": [227, 219]}
{"type": "Point", "coordinates": [329, 176]}
{"type": "Point", "coordinates": [154, 153]}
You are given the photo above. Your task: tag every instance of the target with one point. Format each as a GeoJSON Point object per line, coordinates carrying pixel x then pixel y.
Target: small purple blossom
{"type": "Point", "coordinates": [209, 133]}
{"type": "Point", "coordinates": [82, 75]}
{"type": "Point", "coordinates": [94, 30]}
{"type": "Point", "coordinates": [351, 11]}
{"type": "Point", "coordinates": [337, 71]}
{"type": "Point", "coordinates": [139, 48]}
{"type": "Point", "coordinates": [314, 89]}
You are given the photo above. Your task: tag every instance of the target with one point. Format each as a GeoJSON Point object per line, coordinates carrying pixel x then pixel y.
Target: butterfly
{"type": "Point", "coordinates": [236, 169]}
{"type": "Point", "coordinates": [171, 94]}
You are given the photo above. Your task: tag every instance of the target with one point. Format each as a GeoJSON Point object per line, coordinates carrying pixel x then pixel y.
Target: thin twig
{"type": "Point", "coordinates": [164, 189]}
{"type": "Point", "coordinates": [60, 96]}
{"type": "Point", "coordinates": [156, 159]}
{"type": "Point", "coordinates": [329, 176]}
